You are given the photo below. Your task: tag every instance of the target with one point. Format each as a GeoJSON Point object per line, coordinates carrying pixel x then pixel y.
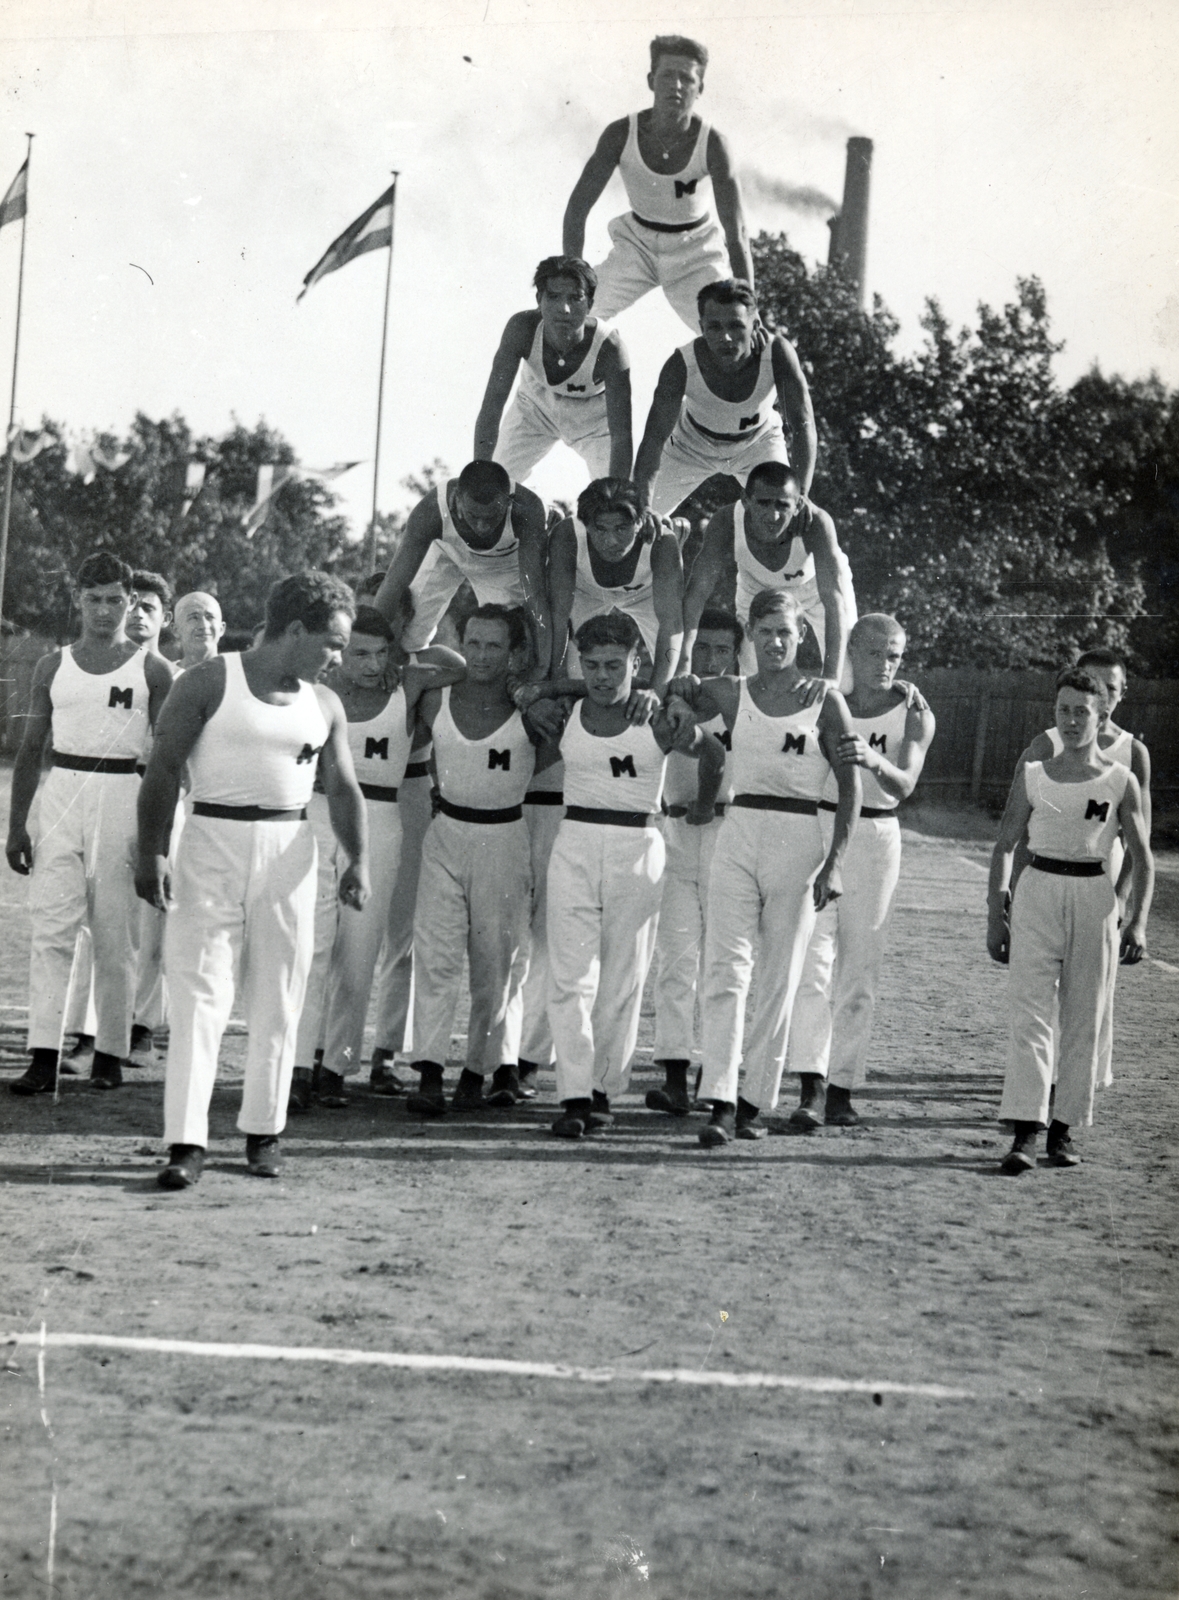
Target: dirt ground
{"type": "Point", "coordinates": [892, 1252]}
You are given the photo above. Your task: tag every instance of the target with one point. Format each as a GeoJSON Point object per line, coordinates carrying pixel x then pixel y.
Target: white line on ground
{"type": "Point", "coordinates": [485, 1364]}
{"type": "Point", "coordinates": [977, 865]}
{"type": "Point", "coordinates": [1166, 966]}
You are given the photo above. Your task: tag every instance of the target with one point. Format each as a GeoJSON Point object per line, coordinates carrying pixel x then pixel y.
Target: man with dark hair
{"type": "Point", "coordinates": [250, 728]}
{"type": "Point", "coordinates": [574, 381]}
{"type": "Point", "coordinates": [664, 157]}
{"type": "Point", "coordinates": [96, 700]}
{"type": "Point", "coordinates": [721, 402]}
{"type": "Point", "coordinates": [480, 527]}
{"type": "Point", "coordinates": [475, 884]}
{"type": "Point", "coordinates": [774, 538]}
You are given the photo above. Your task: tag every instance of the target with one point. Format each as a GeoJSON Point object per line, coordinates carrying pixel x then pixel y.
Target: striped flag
{"type": "Point", "coordinates": [270, 481]}
{"type": "Point", "coordinates": [16, 202]}
{"type": "Point", "coordinates": [25, 445]}
{"type": "Point", "coordinates": [372, 231]}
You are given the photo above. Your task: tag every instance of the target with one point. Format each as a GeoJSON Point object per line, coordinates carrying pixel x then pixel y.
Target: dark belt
{"type": "Point", "coordinates": [417, 769]}
{"type": "Point", "coordinates": [469, 814]}
{"type": "Point", "coordinates": [378, 791]}
{"type": "Point", "coordinates": [865, 811]}
{"type": "Point", "coordinates": [609, 819]}
{"type": "Point", "coordinates": [95, 763]}
{"type": "Point", "coordinates": [202, 808]}
{"type": "Point", "coordinates": [721, 438]}
{"type": "Point", "coordinates": [1068, 869]}
{"type": "Point", "coordinates": [776, 802]}
{"type": "Point", "coordinates": [671, 227]}
{"type": "Point", "coordinates": [682, 811]}
{"type": "Point", "coordinates": [544, 797]}
{"type": "Point", "coordinates": [140, 768]}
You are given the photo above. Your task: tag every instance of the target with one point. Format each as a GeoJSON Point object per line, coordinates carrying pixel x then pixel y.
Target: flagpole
{"type": "Point", "coordinates": [20, 284]}
{"type": "Point", "coordinates": [371, 553]}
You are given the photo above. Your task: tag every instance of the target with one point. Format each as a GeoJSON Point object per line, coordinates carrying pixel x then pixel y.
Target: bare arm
{"type": "Point", "coordinates": [1012, 831]}
{"type": "Point", "coordinates": [435, 668]}
{"type": "Point", "coordinates": [715, 557]}
{"type": "Point", "coordinates": [614, 372]}
{"type": "Point", "coordinates": [518, 334]}
{"type": "Point", "coordinates": [160, 679]}
{"type": "Point", "coordinates": [1132, 817]}
{"type": "Point", "coordinates": [345, 801]}
{"type": "Point", "coordinates": [708, 780]}
{"type": "Point", "coordinates": [26, 770]}
{"type": "Point", "coordinates": [729, 210]}
{"type": "Point", "coordinates": [1140, 767]}
{"type": "Point", "coordinates": [897, 778]}
{"type": "Point", "coordinates": [794, 399]}
{"type": "Point", "coordinates": [661, 419]}
{"type": "Point", "coordinates": [832, 580]}
{"type": "Point", "coordinates": [193, 699]}
{"type": "Point", "coordinates": [667, 592]}
{"type": "Point", "coordinates": [562, 578]}
{"type": "Point", "coordinates": [422, 528]}
{"type": "Point", "coordinates": [708, 697]}
{"type": "Point", "coordinates": [587, 191]}
{"type": "Point", "coordinates": [834, 725]}
{"type": "Point", "coordinates": [531, 525]}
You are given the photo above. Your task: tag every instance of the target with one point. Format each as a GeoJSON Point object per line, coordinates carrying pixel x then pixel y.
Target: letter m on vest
{"type": "Point", "coordinates": [879, 741]}
{"type": "Point", "coordinates": [121, 697]}
{"type": "Point", "coordinates": [306, 755]}
{"type": "Point", "coordinates": [622, 766]}
{"type": "Point", "coordinates": [795, 744]}
{"type": "Point", "coordinates": [376, 749]}
{"type": "Point", "coordinates": [499, 758]}
{"type": "Point", "coordinates": [1098, 809]}
{"type": "Point", "coordinates": [681, 189]}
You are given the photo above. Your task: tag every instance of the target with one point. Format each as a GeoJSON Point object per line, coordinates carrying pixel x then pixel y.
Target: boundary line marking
{"type": "Point", "coordinates": [484, 1364]}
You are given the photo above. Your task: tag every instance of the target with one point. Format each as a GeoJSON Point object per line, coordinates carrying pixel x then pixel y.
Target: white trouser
{"type": "Point", "coordinates": [604, 888]}
{"type": "Point", "coordinates": [1063, 933]}
{"type": "Point", "coordinates": [151, 1008]}
{"type": "Point", "coordinates": [812, 608]}
{"type": "Point", "coordinates": [760, 901]}
{"type": "Point", "coordinates": [358, 941]}
{"type": "Point", "coordinates": [532, 426]}
{"type": "Point", "coordinates": [79, 1011]}
{"type": "Point", "coordinates": [689, 458]}
{"type": "Point", "coordinates": [394, 973]}
{"type": "Point", "coordinates": [680, 943]}
{"type": "Point", "coordinates": [474, 896]}
{"type": "Point", "coordinates": [542, 821]}
{"type": "Point", "coordinates": [831, 1026]}
{"type": "Point", "coordinates": [642, 259]}
{"type": "Point", "coordinates": [309, 1037]}
{"type": "Point", "coordinates": [438, 589]}
{"type": "Point", "coordinates": [83, 874]}
{"type": "Point", "coordinates": [245, 909]}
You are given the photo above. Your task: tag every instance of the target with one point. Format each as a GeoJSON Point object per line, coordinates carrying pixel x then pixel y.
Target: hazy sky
{"type": "Point", "coordinates": [221, 146]}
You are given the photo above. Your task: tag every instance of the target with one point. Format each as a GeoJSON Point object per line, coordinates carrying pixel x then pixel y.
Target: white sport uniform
{"type": "Point", "coordinates": [715, 435]}
{"type": "Point", "coordinates": [1121, 751]}
{"type": "Point", "coordinates": [347, 942]}
{"type": "Point", "coordinates": [494, 574]}
{"type": "Point", "coordinates": [636, 598]}
{"type": "Point", "coordinates": [245, 905]}
{"type": "Point", "coordinates": [1064, 933]}
{"type": "Point", "coordinates": [542, 414]}
{"type": "Point", "coordinates": [474, 894]}
{"type": "Point", "coordinates": [84, 850]}
{"type": "Point", "coordinates": [543, 810]}
{"type": "Point", "coordinates": [667, 240]}
{"type": "Point", "coordinates": [797, 577]}
{"type": "Point", "coordinates": [833, 1011]}
{"type": "Point", "coordinates": [393, 980]}
{"type": "Point", "coordinates": [604, 886]}
{"type": "Point", "coordinates": [760, 902]}
{"type": "Point", "coordinates": [680, 941]}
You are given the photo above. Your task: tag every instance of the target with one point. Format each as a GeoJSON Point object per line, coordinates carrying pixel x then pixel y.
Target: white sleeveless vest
{"type": "Point", "coordinates": [799, 567]}
{"type": "Point", "coordinates": [731, 420]}
{"type": "Point", "coordinates": [664, 197]}
{"type": "Point", "coordinates": [1074, 821]}
{"type": "Point", "coordinates": [620, 773]}
{"type": "Point", "coordinates": [499, 565]}
{"type": "Point", "coordinates": [1121, 750]}
{"type": "Point", "coordinates": [488, 774]}
{"type": "Point", "coordinates": [884, 733]}
{"type": "Point", "coordinates": [636, 598]}
{"type": "Point", "coordinates": [253, 754]}
{"type": "Point", "coordinates": [574, 386]}
{"type": "Point", "coordinates": [380, 746]}
{"type": "Point", "coordinates": [683, 773]}
{"type": "Point", "coordinates": [100, 714]}
{"type": "Point", "coordinates": [777, 755]}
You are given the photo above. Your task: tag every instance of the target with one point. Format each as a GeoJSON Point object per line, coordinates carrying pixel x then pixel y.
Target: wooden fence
{"type": "Point", "coordinates": [984, 721]}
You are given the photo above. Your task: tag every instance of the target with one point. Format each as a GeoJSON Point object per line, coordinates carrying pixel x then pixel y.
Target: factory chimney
{"type": "Point", "coordinates": [849, 230]}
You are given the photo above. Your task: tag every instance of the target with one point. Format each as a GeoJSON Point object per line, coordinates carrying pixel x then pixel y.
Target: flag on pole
{"type": "Point", "coordinates": [372, 231]}
{"type": "Point", "coordinates": [25, 445]}
{"type": "Point", "coordinates": [325, 474]}
{"type": "Point", "coordinates": [270, 481]}
{"type": "Point", "coordinates": [194, 482]}
{"type": "Point", "coordinates": [16, 202]}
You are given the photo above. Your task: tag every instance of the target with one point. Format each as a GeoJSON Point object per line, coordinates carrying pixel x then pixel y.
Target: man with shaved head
{"type": "Point", "coordinates": [198, 624]}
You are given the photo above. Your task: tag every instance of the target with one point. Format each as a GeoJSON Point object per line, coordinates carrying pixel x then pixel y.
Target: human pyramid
{"type": "Point", "coordinates": [611, 768]}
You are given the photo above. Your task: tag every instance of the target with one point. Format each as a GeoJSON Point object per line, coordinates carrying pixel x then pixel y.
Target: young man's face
{"type": "Point", "coordinates": [199, 625]}
{"type": "Point", "coordinates": [775, 640]}
{"type": "Point", "coordinates": [727, 331]}
{"type": "Point", "coordinates": [770, 508]}
{"type": "Point", "coordinates": [487, 648]}
{"type": "Point", "coordinates": [875, 658]}
{"type": "Point", "coordinates": [676, 83]}
{"type": "Point", "coordinates": [1078, 717]}
{"type": "Point", "coordinates": [146, 618]}
{"type": "Point", "coordinates": [608, 670]}
{"type": "Point", "coordinates": [563, 307]}
{"type": "Point", "coordinates": [1113, 681]}
{"type": "Point", "coordinates": [613, 533]}
{"type": "Point", "coordinates": [103, 608]}
{"type": "Point", "coordinates": [714, 655]}
{"type": "Point", "coordinates": [314, 653]}
{"type": "Point", "coordinates": [365, 660]}
{"type": "Point", "coordinates": [482, 516]}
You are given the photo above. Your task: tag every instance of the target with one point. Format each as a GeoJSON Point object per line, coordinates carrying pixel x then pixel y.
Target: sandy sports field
{"type": "Point", "coordinates": [981, 1371]}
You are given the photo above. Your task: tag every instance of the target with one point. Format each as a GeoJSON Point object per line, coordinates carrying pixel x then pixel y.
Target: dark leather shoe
{"type": "Point", "coordinates": [36, 1079]}
{"type": "Point", "coordinates": [185, 1164]}
{"type": "Point", "coordinates": [262, 1154]}
{"type": "Point", "coordinates": [302, 1095]}
{"type": "Point", "coordinates": [330, 1090]}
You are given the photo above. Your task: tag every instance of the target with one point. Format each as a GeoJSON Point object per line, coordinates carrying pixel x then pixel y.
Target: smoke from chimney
{"type": "Point", "coordinates": [801, 197]}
